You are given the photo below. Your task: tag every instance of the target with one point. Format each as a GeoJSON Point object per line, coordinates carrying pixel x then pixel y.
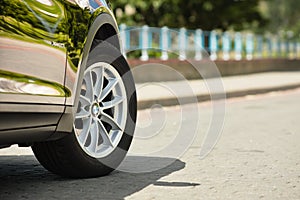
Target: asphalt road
{"type": "Point", "coordinates": [256, 157]}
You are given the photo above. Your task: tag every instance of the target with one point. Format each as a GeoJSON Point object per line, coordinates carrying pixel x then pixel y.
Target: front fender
{"type": "Point", "coordinates": [101, 18]}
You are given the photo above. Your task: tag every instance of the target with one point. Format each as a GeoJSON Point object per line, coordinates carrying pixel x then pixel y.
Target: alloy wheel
{"type": "Point", "coordinates": [102, 110]}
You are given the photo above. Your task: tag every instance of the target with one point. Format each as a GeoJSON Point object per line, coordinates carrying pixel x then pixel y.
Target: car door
{"type": "Point", "coordinates": [33, 38]}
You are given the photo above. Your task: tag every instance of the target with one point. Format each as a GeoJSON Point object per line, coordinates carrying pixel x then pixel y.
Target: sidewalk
{"type": "Point", "coordinates": [169, 93]}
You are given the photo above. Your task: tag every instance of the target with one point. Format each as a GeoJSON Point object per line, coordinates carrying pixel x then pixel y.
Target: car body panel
{"type": "Point", "coordinates": [44, 45]}
{"type": "Point", "coordinates": [32, 48]}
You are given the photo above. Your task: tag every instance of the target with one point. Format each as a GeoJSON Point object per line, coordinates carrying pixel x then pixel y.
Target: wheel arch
{"type": "Point", "coordinates": [103, 28]}
{"type": "Point", "coordinates": [106, 33]}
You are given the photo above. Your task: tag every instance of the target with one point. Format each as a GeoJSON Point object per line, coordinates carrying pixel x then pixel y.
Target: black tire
{"type": "Point", "coordinates": [65, 156]}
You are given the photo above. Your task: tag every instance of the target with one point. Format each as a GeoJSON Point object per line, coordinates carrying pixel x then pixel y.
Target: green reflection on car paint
{"type": "Point", "coordinates": [46, 24]}
{"type": "Point", "coordinates": [61, 25]}
{"type": "Point", "coordinates": [34, 20]}
{"type": "Point", "coordinates": [61, 22]}
{"type": "Point", "coordinates": [15, 83]}
{"type": "Point", "coordinates": [80, 21]}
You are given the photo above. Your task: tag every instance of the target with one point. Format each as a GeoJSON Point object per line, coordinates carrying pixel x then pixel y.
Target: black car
{"type": "Point", "coordinates": [65, 88]}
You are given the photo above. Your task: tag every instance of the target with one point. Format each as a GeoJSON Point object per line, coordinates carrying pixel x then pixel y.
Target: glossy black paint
{"type": "Point", "coordinates": [44, 45]}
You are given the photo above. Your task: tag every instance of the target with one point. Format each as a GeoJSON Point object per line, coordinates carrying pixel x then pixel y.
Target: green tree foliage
{"type": "Point", "coordinates": [283, 15]}
{"type": "Point", "coordinates": [205, 14]}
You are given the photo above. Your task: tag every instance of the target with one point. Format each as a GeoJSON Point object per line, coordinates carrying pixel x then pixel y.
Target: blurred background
{"type": "Point", "coordinates": [226, 29]}
{"type": "Point", "coordinates": [259, 16]}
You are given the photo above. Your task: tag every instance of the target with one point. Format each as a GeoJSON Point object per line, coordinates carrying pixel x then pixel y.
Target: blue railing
{"type": "Point", "coordinates": [198, 44]}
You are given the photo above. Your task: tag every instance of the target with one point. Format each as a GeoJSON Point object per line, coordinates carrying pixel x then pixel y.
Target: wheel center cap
{"type": "Point", "coordinates": [95, 109]}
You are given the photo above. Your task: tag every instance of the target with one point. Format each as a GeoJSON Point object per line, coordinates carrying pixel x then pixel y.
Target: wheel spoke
{"type": "Point", "coordinates": [105, 136]}
{"type": "Point", "coordinates": [109, 104]}
{"type": "Point", "coordinates": [94, 133]}
{"type": "Point", "coordinates": [112, 82]}
{"type": "Point", "coordinates": [99, 82]}
{"type": "Point", "coordinates": [85, 130]}
{"type": "Point", "coordinates": [111, 121]}
{"type": "Point", "coordinates": [84, 101]}
{"type": "Point", "coordinates": [89, 85]}
{"type": "Point", "coordinates": [82, 114]}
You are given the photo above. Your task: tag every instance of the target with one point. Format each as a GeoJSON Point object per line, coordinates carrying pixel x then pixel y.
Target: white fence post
{"type": "Point", "coordinates": [123, 39]}
{"type": "Point", "coordinates": [274, 46]}
{"type": "Point", "coordinates": [249, 46]}
{"type": "Point", "coordinates": [213, 43]}
{"type": "Point", "coordinates": [164, 43]}
{"type": "Point", "coordinates": [145, 41]}
{"type": "Point", "coordinates": [182, 44]}
{"type": "Point", "coordinates": [226, 46]}
{"type": "Point", "coordinates": [198, 44]}
{"type": "Point", "coordinates": [238, 46]}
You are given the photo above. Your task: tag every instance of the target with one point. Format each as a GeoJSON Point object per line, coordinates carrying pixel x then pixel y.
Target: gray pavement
{"type": "Point", "coordinates": [257, 157]}
{"type": "Point", "coordinates": [169, 93]}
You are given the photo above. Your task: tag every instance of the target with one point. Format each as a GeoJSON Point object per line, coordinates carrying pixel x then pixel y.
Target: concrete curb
{"type": "Point", "coordinates": [144, 104]}
{"type": "Point", "coordinates": [148, 73]}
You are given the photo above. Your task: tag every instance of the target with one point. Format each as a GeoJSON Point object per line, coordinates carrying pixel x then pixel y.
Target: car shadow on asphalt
{"type": "Point", "coordinates": [22, 177]}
